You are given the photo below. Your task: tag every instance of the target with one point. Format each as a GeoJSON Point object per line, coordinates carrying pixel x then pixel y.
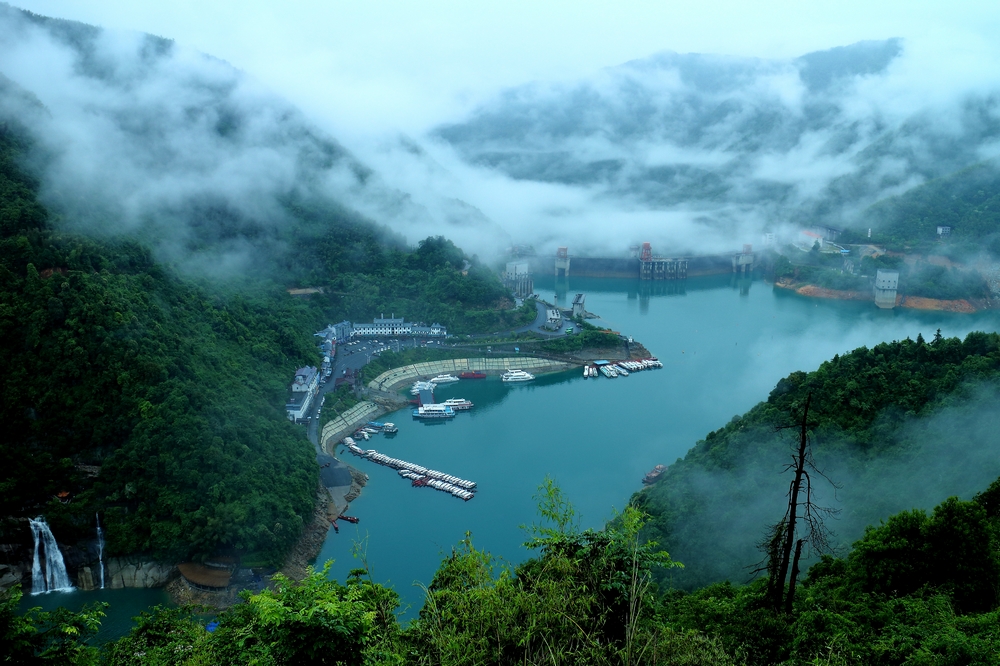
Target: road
{"type": "Point", "coordinates": [350, 357]}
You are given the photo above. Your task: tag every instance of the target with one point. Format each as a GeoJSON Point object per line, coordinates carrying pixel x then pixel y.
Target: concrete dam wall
{"type": "Point", "coordinates": [628, 267]}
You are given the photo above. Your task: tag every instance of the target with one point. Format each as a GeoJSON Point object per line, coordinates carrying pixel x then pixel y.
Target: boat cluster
{"type": "Point", "coordinates": [621, 368]}
{"type": "Point", "coordinates": [418, 475]}
{"type": "Point", "coordinates": [373, 428]}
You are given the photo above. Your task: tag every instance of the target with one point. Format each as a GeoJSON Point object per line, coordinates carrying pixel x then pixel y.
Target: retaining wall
{"type": "Point", "coordinates": [348, 422]}
{"type": "Point", "coordinates": [407, 374]}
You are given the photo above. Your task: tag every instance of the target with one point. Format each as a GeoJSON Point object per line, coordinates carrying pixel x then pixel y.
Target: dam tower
{"type": "Point", "coordinates": [562, 262]}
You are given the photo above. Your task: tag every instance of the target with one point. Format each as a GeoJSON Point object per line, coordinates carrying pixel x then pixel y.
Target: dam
{"type": "Point", "coordinates": [643, 264]}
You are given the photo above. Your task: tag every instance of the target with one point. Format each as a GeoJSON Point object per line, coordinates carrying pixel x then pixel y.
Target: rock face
{"type": "Point", "coordinates": [10, 575]}
{"type": "Point", "coordinates": [85, 579]}
{"type": "Point", "coordinates": [132, 572]}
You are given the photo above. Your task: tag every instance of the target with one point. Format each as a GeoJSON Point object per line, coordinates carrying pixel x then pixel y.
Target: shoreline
{"type": "Point", "coordinates": [961, 305]}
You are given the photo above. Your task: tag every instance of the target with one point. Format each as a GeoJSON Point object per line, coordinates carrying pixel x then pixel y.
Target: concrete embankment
{"type": "Point", "coordinates": [348, 422]}
{"type": "Point", "coordinates": [397, 377]}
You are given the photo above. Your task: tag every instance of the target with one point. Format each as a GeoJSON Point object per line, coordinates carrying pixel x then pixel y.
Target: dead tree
{"type": "Point", "coordinates": [802, 524]}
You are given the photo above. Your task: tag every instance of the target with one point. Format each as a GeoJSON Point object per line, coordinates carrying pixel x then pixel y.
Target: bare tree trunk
{"type": "Point", "coordinates": [795, 574]}
{"type": "Point", "coordinates": [793, 506]}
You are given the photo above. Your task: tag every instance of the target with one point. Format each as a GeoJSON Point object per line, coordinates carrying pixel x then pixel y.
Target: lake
{"type": "Point", "coordinates": [724, 343]}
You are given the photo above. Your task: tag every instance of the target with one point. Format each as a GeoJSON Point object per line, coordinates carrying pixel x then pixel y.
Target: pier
{"type": "Point", "coordinates": [418, 475]}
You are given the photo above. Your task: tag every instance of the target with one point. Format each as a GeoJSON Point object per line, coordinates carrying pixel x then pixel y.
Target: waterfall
{"type": "Point", "coordinates": [100, 549]}
{"type": "Point", "coordinates": [52, 576]}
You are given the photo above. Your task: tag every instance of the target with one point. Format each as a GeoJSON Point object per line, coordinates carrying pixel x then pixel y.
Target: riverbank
{"type": "Point", "coordinates": [911, 302]}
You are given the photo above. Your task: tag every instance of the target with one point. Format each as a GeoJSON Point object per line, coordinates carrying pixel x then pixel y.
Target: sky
{"type": "Point", "coordinates": [373, 67]}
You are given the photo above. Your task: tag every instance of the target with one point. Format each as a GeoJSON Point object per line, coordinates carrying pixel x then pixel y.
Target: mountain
{"type": "Point", "coordinates": [734, 145]}
{"type": "Point", "coordinates": [145, 138]}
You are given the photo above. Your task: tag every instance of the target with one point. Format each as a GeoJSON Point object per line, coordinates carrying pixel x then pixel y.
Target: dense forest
{"type": "Point", "coordinates": [155, 396]}
{"type": "Point", "coordinates": [968, 201]}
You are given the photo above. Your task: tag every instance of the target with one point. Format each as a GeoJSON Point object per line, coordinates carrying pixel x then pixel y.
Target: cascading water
{"type": "Point", "coordinates": [50, 576]}
{"type": "Point", "coordinates": [100, 549]}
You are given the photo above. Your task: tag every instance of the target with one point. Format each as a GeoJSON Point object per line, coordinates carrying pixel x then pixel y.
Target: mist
{"type": "Point", "coordinates": [951, 451]}
{"type": "Point", "coordinates": [695, 152]}
{"type": "Point", "coordinates": [136, 136]}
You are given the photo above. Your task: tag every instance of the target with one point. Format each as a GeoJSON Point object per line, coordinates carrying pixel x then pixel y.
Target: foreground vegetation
{"type": "Point", "coordinates": [918, 589]}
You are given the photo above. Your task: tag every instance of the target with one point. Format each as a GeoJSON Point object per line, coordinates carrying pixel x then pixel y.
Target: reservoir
{"type": "Point", "coordinates": [724, 343]}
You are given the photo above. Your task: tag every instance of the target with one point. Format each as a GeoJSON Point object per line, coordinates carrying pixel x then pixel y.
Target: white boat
{"type": "Point", "coordinates": [421, 386]}
{"type": "Point", "coordinates": [433, 411]}
{"type": "Point", "coordinates": [516, 376]}
{"type": "Point", "coordinates": [445, 379]}
{"type": "Point", "coordinates": [458, 403]}
{"type": "Point", "coordinates": [389, 428]}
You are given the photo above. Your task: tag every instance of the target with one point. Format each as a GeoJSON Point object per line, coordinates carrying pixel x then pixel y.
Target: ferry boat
{"type": "Point", "coordinates": [458, 403]}
{"type": "Point", "coordinates": [444, 379]}
{"type": "Point", "coordinates": [653, 474]}
{"type": "Point", "coordinates": [433, 411]}
{"type": "Point", "coordinates": [516, 376]}
{"type": "Point", "coordinates": [472, 375]}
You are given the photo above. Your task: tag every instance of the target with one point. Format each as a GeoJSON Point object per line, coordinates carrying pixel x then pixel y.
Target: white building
{"type": "Point", "coordinates": [303, 390]}
{"type": "Point", "coordinates": [306, 380]}
{"type": "Point", "coordinates": [390, 327]}
{"type": "Point", "coordinates": [394, 327]}
{"type": "Point", "coordinates": [435, 330]}
{"type": "Point", "coordinates": [297, 405]}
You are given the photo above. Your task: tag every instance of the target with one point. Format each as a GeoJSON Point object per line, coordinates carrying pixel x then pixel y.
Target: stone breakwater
{"type": "Point", "coordinates": [407, 374]}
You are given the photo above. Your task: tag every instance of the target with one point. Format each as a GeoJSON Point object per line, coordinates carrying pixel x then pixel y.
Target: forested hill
{"type": "Point", "coordinates": [173, 384]}
{"type": "Point", "coordinates": [968, 201]}
{"type": "Point", "coordinates": [897, 426]}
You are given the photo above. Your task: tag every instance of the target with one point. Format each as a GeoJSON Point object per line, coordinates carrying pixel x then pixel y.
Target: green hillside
{"type": "Point", "coordinates": [891, 426]}
{"type": "Point", "coordinates": [968, 201]}
{"type": "Point", "coordinates": [174, 385]}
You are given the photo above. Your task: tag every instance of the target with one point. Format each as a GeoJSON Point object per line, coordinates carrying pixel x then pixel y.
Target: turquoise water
{"type": "Point", "coordinates": [724, 344]}
{"type": "Point", "coordinates": [123, 606]}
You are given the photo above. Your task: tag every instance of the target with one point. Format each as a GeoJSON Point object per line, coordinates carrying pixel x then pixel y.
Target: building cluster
{"type": "Point", "coordinates": [305, 385]}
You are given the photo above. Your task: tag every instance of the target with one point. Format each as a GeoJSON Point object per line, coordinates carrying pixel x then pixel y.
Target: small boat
{"type": "Point", "coordinates": [444, 379]}
{"type": "Point", "coordinates": [350, 519]}
{"type": "Point", "coordinates": [516, 376]}
{"type": "Point", "coordinates": [421, 386]}
{"type": "Point", "coordinates": [470, 374]}
{"type": "Point", "coordinates": [389, 428]}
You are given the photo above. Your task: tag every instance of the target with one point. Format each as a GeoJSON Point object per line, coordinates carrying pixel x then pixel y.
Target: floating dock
{"type": "Point", "coordinates": [417, 474]}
